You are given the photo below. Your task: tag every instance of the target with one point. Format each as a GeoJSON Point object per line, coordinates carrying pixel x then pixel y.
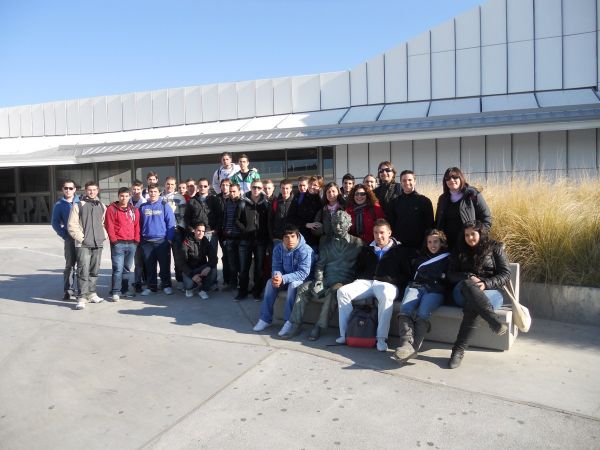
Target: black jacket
{"type": "Point", "coordinates": [209, 212]}
{"type": "Point", "coordinates": [192, 254]}
{"type": "Point", "coordinates": [394, 266]}
{"type": "Point", "coordinates": [278, 216]}
{"type": "Point", "coordinates": [472, 207]}
{"type": "Point", "coordinates": [433, 277]}
{"type": "Point", "coordinates": [386, 193]}
{"type": "Point", "coordinates": [252, 218]}
{"type": "Point", "coordinates": [303, 213]}
{"type": "Point", "coordinates": [491, 266]}
{"type": "Point", "coordinates": [410, 215]}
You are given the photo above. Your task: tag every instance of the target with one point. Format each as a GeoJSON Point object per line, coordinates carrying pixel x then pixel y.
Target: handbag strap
{"type": "Point", "coordinates": [508, 288]}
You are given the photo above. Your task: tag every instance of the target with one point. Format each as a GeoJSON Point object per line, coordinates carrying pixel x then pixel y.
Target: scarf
{"type": "Point", "coordinates": [359, 210]}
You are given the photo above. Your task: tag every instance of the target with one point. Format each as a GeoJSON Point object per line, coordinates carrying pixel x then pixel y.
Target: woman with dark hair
{"type": "Point", "coordinates": [364, 209]}
{"type": "Point", "coordinates": [459, 204]}
{"type": "Point", "coordinates": [424, 294]}
{"type": "Point", "coordinates": [388, 189]}
{"type": "Point", "coordinates": [479, 268]}
{"type": "Point", "coordinates": [332, 201]}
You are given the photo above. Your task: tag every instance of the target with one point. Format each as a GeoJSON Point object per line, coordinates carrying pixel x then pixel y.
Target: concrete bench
{"type": "Point", "coordinates": [445, 321]}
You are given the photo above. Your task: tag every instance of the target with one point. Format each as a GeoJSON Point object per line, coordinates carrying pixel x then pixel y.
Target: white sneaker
{"type": "Point", "coordinates": [381, 345]}
{"type": "Point", "coordinates": [189, 293]}
{"type": "Point", "coordinates": [285, 329]}
{"type": "Point", "coordinates": [261, 325]}
{"type": "Point", "coordinates": [341, 340]}
{"type": "Point", "coordinates": [146, 291]}
{"type": "Point", "coordinates": [115, 298]}
{"type": "Point", "coordinates": [130, 293]}
{"type": "Point", "coordinates": [203, 295]}
{"type": "Point", "coordinates": [168, 291]}
{"type": "Point", "coordinates": [96, 299]}
{"type": "Point", "coordinates": [80, 304]}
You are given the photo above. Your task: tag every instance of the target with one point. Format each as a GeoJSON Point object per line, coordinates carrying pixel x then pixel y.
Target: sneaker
{"type": "Point", "coordinates": [286, 328]}
{"type": "Point", "coordinates": [95, 299]}
{"type": "Point", "coordinates": [129, 294]}
{"type": "Point", "coordinates": [115, 298]}
{"type": "Point", "coordinates": [381, 345]}
{"type": "Point", "coordinates": [138, 288]}
{"type": "Point", "coordinates": [241, 296]}
{"type": "Point", "coordinates": [341, 340]}
{"type": "Point", "coordinates": [80, 304]}
{"type": "Point", "coordinates": [146, 291]}
{"type": "Point", "coordinates": [67, 297]}
{"type": "Point", "coordinates": [295, 329]}
{"type": "Point", "coordinates": [261, 325]}
{"type": "Point", "coordinates": [168, 290]}
{"type": "Point", "coordinates": [203, 295]}
{"type": "Point", "coordinates": [189, 293]}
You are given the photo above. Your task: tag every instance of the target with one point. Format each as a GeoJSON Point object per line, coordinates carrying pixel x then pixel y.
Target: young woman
{"type": "Point", "coordinates": [459, 204]}
{"type": "Point", "coordinates": [364, 209]}
{"type": "Point", "coordinates": [388, 189]}
{"type": "Point", "coordinates": [332, 201]}
{"type": "Point", "coordinates": [424, 294]}
{"type": "Point", "coordinates": [479, 268]}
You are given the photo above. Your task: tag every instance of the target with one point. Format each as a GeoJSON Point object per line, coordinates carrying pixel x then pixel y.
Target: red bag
{"type": "Point", "coordinates": [361, 330]}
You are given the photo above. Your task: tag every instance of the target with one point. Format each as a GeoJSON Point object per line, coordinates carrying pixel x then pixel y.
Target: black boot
{"type": "Point", "coordinates": [482, 306]}
{"type": "Point", "coordinates": [467, 326]}
{"type": "Point", "coordinates": [422, 327]}
{"type": "Point", "coordinates": [405, 350]}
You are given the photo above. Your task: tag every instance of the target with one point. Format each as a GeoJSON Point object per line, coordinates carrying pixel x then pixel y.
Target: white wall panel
{"type": "Point", "coordinates": [282, 95]}
{"type": "Point", "coordinates": [521, 62]}
{"type": "Point", "coordinates": [73, 125]}
{"type": "Point", "coordinates": [443, 73]}
{"type": "Point", "coordinates": [143, 110]}
{"type": "Point", "coordinates": [37, 120]}
{"type": "Point", "coordinates": [193, 104]}
{"type": "Point", "coordinates": [526, 155]}
{"type": "Point", "coordinates": [114, 109]}
{"type": "Point", "coordinates": [579, 60]}
{"type": "Point", "coordinates": [4, 123]}
{"type": "Point", "coordinates": [395, 75]}
{"type": "Point", "coordinates": [264, 97]}
{"type": "Point", "coordinates": [419, 77]}
{"type": "Point", "coordinates": [467, 29]}
{"type": "Point", "coordinates": [402, 155]}
{"type": "Point", "coordinates": [60, 116]}
{"type": "Point", "coordinates": [86, 115]}
{"type": "Point", "coordinates": [358, 85]}
{"type": "Point", "coordinates": [468, 72]}
{"type": "Point", "coordinates": [378, 152]}
{"type": "Point", "coordinates": [246, 99]}
{"type": "Point", "coordinates": [499, 156]}
{"type": "Point", "coordinates": [335, 90]}
{"type": "Point", "coordinates": [548, 18]}
{"type": "Point", "coordinates": [424, 155]}
{"type": "Point", "coordinates": [493, 69]}
{"type": "Point", "coordinates": [26, 122]}
{"type": "Point", "coordinates": [129, 120]}
{"type": "Point", "coordinates": [227, 101]}
{"type": "Point", "coordinates": [442, 37]}
{"type": "Point", "coordinates": [100, 119]}
{"type": "Point", "coordinates": [306, 93]}
{"type": "Point", "coordinates": [519, 20]}
{"type": "Point", "coordinates": [176, 106]}
{"type": "Point", "coordinates": [581, 151]}
{"type": "Point", "coordinates": [448, 155]}
{"type": "Point", "coordinates": [376, 80]}
{"type": "Point", "coordinates": [419, 45]}
{"type": "Point", "coordinates": [553, 152]}
{"type": "Point", "coordinates": [358, 159]}
{"type": "Point", "coordinates": [472, 157]}
{"type": "Point", "coordinates": [493, 22]}
{"type": "Point", "coordinates": [160, 108]}
{"type": "Point", "coordinates": [548, 64]}
{"type": "Point", "coordinates": [341, 162]}
{"type": "Point", "coordinates": [210, 103]}
{"type": "Point", "coordinates": [579, 16]}
{"type": "Point", "coordinates": [14, 122]}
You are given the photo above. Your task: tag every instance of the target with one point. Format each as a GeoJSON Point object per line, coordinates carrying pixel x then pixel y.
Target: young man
{"type": "Point", "coordinates": [245, 176]}
{"type": "Point", "coordinates": [191, 188]}
{"type": "Point", "coordinates": [348, 182]}
{"type": "Point", "coordinates": [226, 170]}
{"type": "Point", "coordinates": [279, 211]}
{"type": "Point", "coordinates": [304, 208]}
{"type": "Point", "coordinates": [231, 236]}
{"type": "Point", "coordinates": [269, 190]}
{"type": "Point", "coordinates": [122, 223]}
{"type": "Point", "coordinates": [221, 197]}
{"type": "Point", "coordinates": [411, 214]}
{"type": "Point", "coordinates": [198, 262]}
{"type": "Point", "coordinates": [86, 227]}
{"type": "Point", "coordinates": [370, 181]}
{"type": "Point", "coordinates": [251, 219]}
{"type": "Point", "coordinates": [183, 189]}
{"type": "Point", "coordinates": [206, 208]}
{"type": "Point", "coordinates": [151, 178]}
{"type": "Point", "coordinates": [292, 262]}
{"type": "Point", "coordinates": [382, 272]}
{"type": "Point", "coordinates": [137, 199]}
{"type": "Point", "coordinates": [60, 219]}
{"type": "Point", "coordinates": [157, 229]}
{"type": "Point", "coordinates": [178, 204]}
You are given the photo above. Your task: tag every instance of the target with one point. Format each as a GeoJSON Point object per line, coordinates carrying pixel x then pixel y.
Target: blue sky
{"type": "Point", "coordinates": [57, 50]}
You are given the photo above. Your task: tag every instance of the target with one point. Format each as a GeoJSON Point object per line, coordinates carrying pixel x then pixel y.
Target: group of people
{"type": "Point", "coordinates": [337, 245]}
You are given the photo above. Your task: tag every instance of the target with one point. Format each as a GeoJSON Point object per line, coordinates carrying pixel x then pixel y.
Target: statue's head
{"type": "Point", "coordinates": [341, 222]}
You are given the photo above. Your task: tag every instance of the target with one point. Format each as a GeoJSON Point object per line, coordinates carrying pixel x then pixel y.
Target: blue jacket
{"type": "Point", "coordinates": [293, 264]}
{"type": "Point", "coordinates": [157, 221]}
{"type": "Point", "coordinates": [60, 216]}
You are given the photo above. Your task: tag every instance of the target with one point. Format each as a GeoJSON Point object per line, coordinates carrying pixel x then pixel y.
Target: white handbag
{"type": "Point", "coordinates": [521, 316]}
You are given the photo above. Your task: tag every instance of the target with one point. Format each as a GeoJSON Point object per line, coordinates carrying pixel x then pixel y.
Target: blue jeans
{"type": "Point", "coordinates": [494, 296]}
{"type": "Point", "coordinates": [153, 252]}
{"type": "Point", "coordinates": [421, 302]}
{"type": "Point", "coordinates": [266, 309]}
{"type": "Point", "coordinates": [207, 281]}
{"type": "Point", "coordinates": [121, 256]}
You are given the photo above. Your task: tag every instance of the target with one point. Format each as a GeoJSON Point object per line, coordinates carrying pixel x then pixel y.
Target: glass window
{"type": "Point", "coordinates": [302, 162]}
{"type": "Point", "coordinates": [269, 164]}
{"type": "Point", "coordinates": [112, 176]}
{"type": "Point", "coordinates": [164, 167]}
{"type": "Point", "coordinates": [327, 156]}
{"type": "Point", "coordinates": [8, 210]}
{"type": "Point", "coordinates": [199, 166]}
{"type": "Point", "coordinates": [7, 181]}
{"type": "Point", "coordinates": [80, 173]}
{"type": "Point", "coordinates": [35, 179]}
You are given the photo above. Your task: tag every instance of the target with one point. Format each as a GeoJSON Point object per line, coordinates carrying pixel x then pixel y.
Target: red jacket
{"type": "Point", "coordinates": [122, 225]}
{"type": "Point", "coordinates": [370, 215]}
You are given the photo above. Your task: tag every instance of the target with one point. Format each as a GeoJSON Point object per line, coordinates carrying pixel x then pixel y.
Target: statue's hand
{"type": "Point", "coordinates": [317, 287]}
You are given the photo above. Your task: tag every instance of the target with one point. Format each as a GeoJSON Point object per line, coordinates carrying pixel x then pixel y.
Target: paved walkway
{"type": "Point", "coordinates": [169, 372]}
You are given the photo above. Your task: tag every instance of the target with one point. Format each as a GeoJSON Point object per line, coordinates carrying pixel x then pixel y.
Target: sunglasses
{"type": "Point", "coordinates": [360, 194]}
{"type": "Point", "coordinates": [67, 188]}
{"type": "Point", "coordinates": [256, 187]}
{"type": "Point", "coordinates": [452, 177]}
{"type": "Point", "coordinates": [386, 169]}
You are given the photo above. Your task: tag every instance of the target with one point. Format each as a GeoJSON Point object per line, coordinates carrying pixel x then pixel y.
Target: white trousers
{"type": "Point", "coordinates": [385, 293]}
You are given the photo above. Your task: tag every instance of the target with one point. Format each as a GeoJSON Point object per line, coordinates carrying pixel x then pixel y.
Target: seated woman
{"type": "Point", "coordinates": [424, 294]}
{"type": "Point", "coordinates": [333, 201]}
{"type": "Point", "coordinates": [479, 268]}
{"type": "Point", "coordinates": [364, 209]}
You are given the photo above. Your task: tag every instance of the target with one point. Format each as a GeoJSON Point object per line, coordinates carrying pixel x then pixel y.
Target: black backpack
{"type": "Point", "coordinates": [361, 330]}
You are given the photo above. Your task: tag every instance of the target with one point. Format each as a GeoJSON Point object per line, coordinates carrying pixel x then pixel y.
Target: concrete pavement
{"type": "Point", "coordinates": [170, 372]}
